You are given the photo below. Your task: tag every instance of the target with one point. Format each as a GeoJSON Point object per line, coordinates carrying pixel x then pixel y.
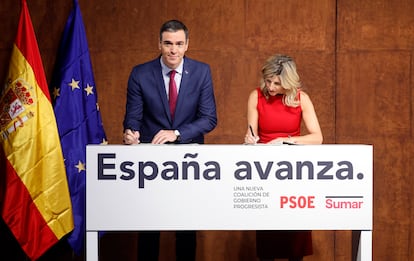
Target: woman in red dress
{"type": "Point", "coordinates": [275, 111]}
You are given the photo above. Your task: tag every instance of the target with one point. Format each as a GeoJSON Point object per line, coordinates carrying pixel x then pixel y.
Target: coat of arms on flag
{"type": "Point", "coordinates": [15, 106]}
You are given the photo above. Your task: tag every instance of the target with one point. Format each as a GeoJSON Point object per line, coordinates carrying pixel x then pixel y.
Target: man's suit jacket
{"type": "Point", "coordinates": [147, 107]}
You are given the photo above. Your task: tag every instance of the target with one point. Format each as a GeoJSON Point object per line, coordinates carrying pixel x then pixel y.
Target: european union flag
{"type": "Point", "coordinates": [77, 115]}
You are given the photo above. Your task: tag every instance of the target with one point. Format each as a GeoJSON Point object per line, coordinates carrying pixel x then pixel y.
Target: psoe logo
{"type": "Point", "coordinates": [297, 201]}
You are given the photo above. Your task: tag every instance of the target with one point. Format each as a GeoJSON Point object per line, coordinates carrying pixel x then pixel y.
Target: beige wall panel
{"type": "Point", "coordinates": [9, 11]}
{"type": "Point", "coordinates": [49, 19]}
{"type": "Point", "coordinates": [369, 98]}
{"type": "Point", "coordinates": [373, 25]}
{"type": "Point", "coordinates": [293, 25]}
{"type": "Point", "coordinates": [214, 25]}
{"type": "Point", "coordinates": [375, 108]}
{"type": "Point", "coordinates": [123, 25]}
{"type": "Point", "coordinates": [384, 119]}
{"type": "Point", "coordinates": [393, 188]}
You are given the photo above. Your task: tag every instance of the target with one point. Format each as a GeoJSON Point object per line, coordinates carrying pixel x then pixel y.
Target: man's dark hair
{"type": "Point", "coordinates": [174, 26]}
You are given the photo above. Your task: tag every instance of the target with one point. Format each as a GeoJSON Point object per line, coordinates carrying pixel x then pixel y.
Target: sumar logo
{"type": "Point", "coordinates": [14, 105]}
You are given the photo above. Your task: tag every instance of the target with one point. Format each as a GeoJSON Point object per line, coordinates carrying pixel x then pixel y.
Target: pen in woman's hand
{"type": "Point", "coordinates": [251, 130]}
{"type": "Point", "coordinates": [254, 136]}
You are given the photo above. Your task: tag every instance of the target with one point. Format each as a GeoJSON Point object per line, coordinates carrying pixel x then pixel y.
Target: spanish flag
{"type": "Point", "coordinates": [34, 196]}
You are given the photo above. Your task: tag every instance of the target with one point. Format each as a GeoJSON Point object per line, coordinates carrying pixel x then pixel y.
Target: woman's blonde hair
{"type": "Point", "coordinates": [284, 67]}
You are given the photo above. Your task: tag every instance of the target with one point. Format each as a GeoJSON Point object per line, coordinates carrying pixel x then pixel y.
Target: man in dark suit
{"type": "Point", "coordinates": [169, 100]}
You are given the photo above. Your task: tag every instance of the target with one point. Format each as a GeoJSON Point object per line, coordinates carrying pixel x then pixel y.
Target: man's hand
{"type": "Point", "coordinates": [164, 136]}
{"type": "Point", "coordinates": [131, 137]}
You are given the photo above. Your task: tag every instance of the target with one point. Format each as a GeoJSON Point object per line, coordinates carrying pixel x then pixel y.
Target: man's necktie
{"type": "Point", "coordinates": [172, 93]}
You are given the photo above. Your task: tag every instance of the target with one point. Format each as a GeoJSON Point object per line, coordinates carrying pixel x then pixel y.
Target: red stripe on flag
{"type": "Point", "coordinates": [25, 41]}
{"type": "Point", "coordinates": [21, 210]}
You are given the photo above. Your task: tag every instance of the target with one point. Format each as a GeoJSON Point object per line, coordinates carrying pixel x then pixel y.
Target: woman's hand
{"type": "Point", "coordinates": [250, 139]}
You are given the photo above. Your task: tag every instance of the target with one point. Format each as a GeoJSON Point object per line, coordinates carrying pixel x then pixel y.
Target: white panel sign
{"type": "Point", "coordinates": [229, 187]}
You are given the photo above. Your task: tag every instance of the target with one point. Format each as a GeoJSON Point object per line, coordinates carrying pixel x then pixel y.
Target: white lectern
{"type": "Point", "coordinates": [229, 187]}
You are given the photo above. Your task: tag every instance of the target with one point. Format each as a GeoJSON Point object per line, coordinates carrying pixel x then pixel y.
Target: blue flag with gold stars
{"type": "Point", "coordinates": [77, 114]}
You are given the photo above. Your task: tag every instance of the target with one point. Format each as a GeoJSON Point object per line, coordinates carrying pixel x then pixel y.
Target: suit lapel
{"type": "Point", "coordinates": [184, 87]}
{"type": "Point", "coordinates": [161, 88]}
